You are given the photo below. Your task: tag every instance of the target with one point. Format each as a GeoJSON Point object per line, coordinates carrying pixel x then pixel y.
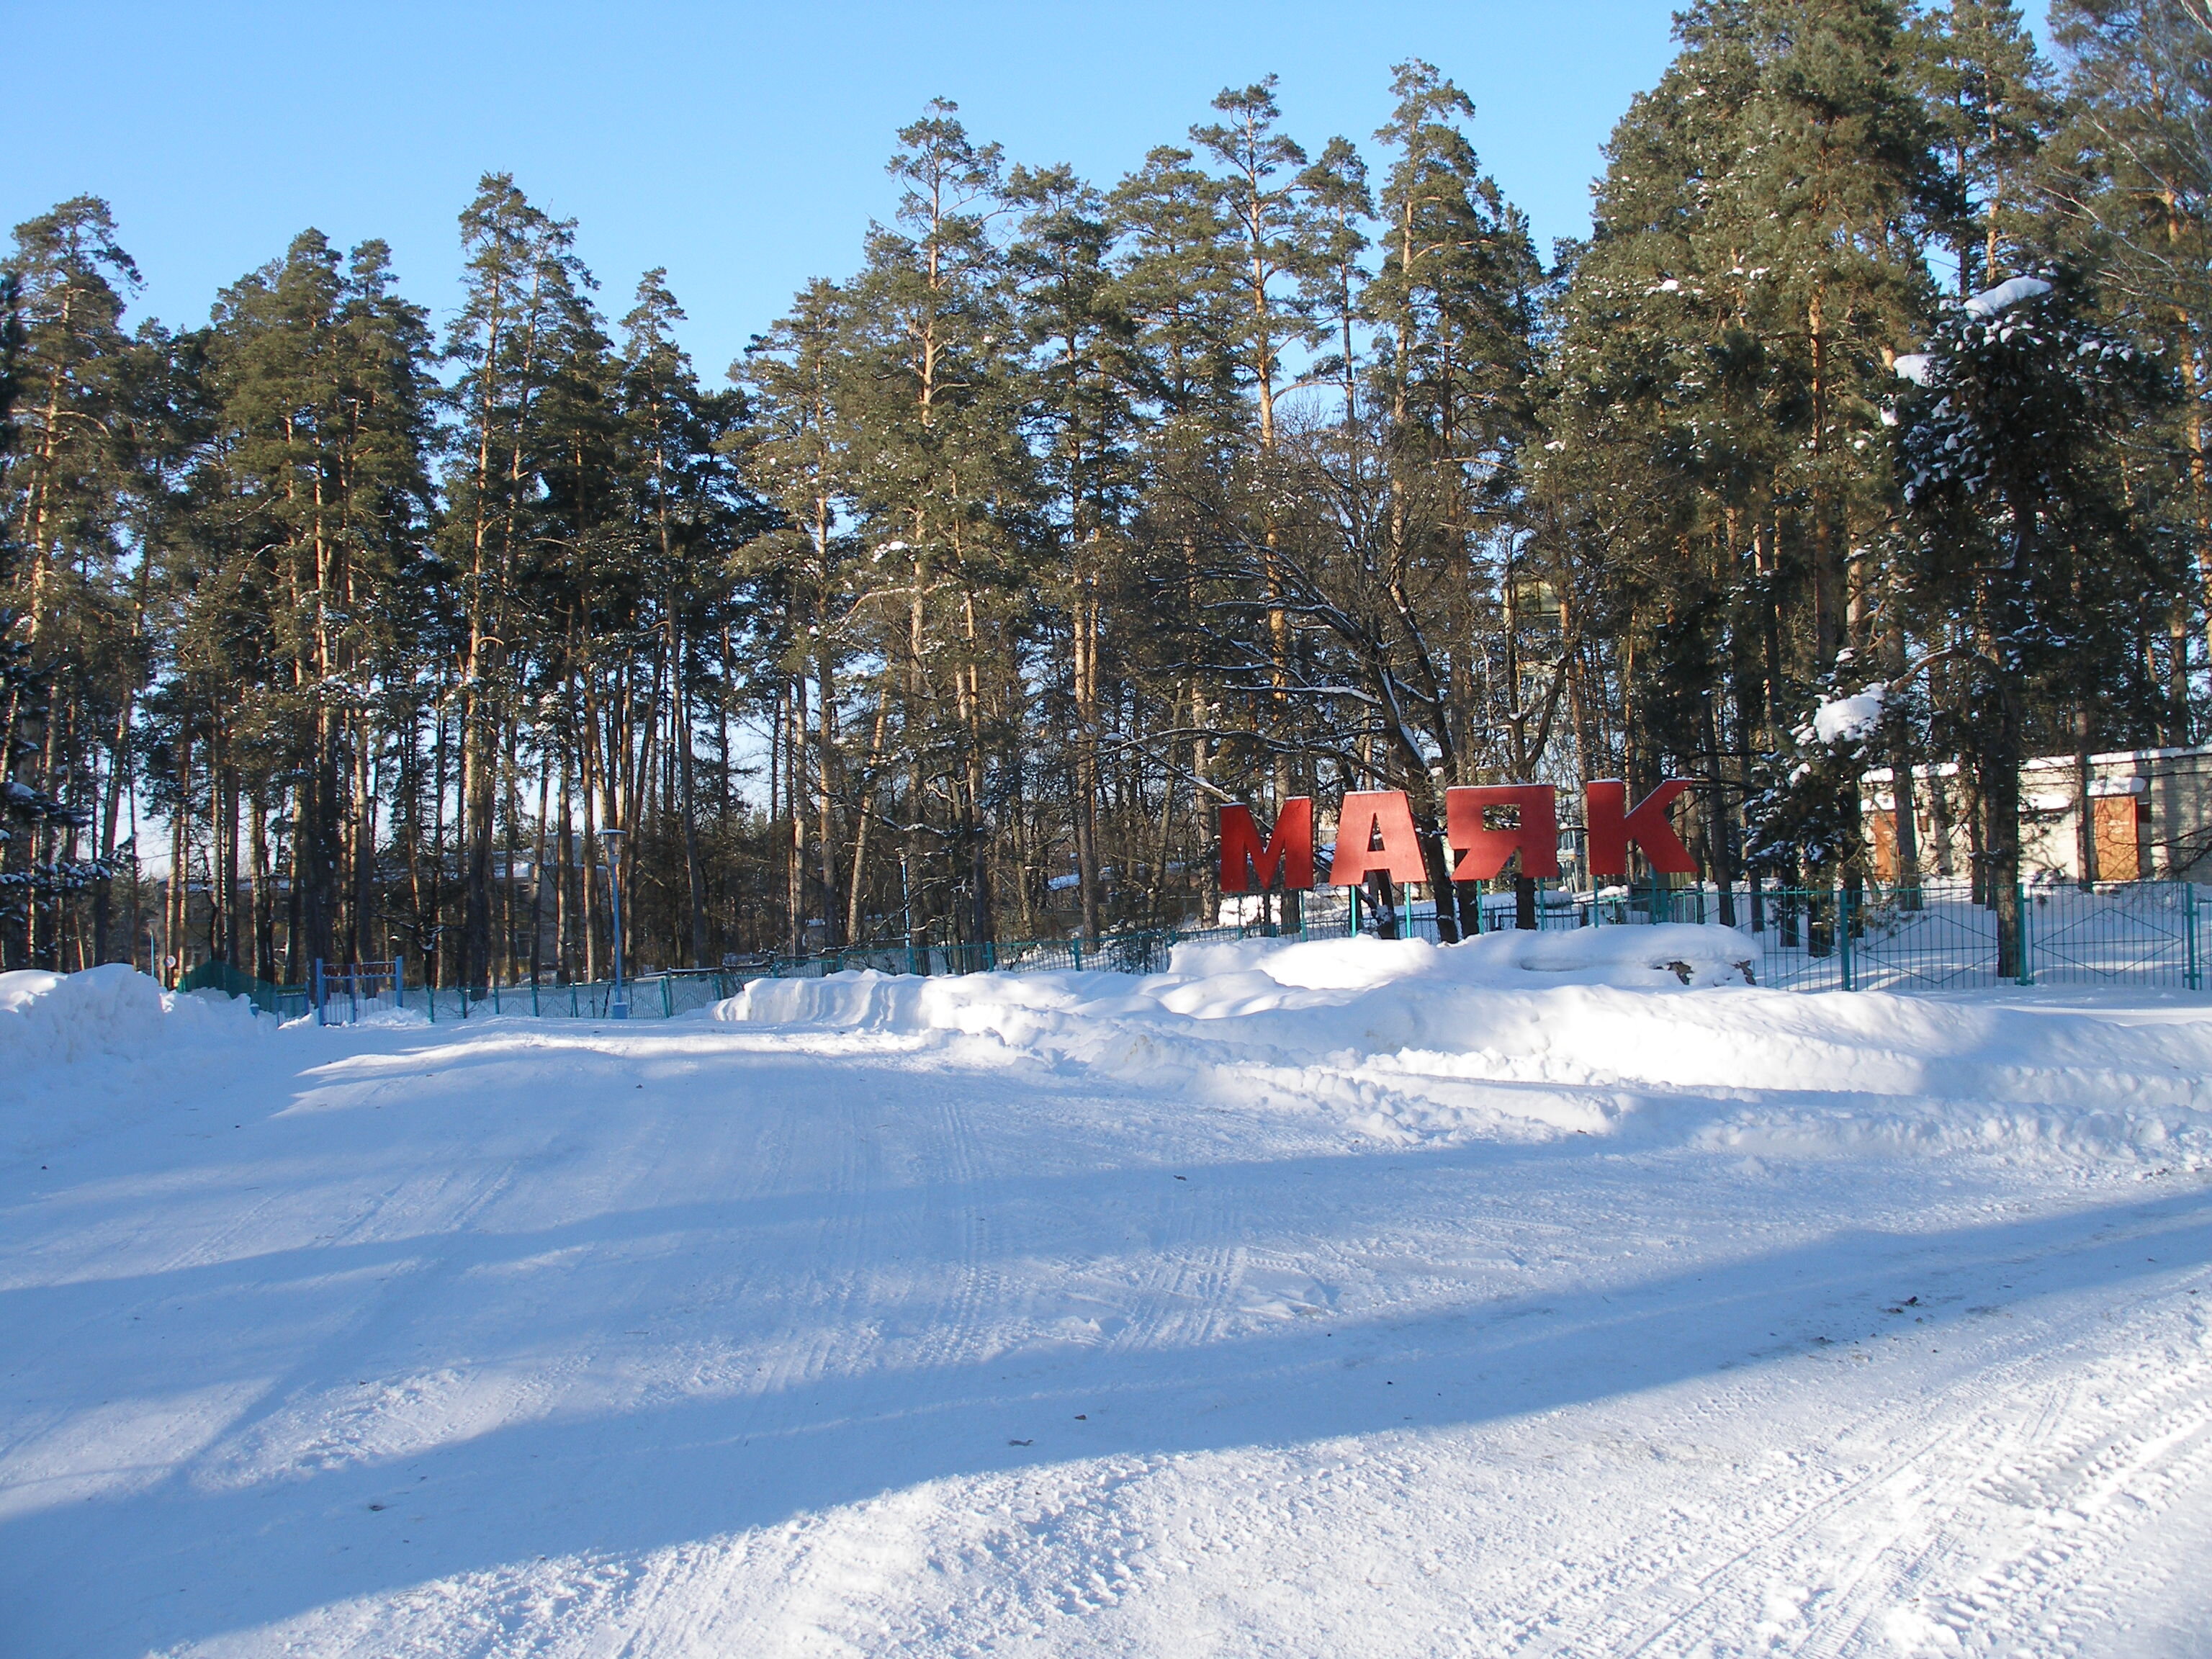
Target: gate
{"type": "Point", "coordinates": [344, 996]}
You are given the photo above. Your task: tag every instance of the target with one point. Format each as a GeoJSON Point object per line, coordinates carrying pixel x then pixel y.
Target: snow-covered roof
{"type": "Point", "coordinates": [2053, 762]}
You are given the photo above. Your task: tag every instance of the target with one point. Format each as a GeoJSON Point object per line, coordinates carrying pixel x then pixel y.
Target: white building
{"type": "Point", "coordinates": [2151, 808]}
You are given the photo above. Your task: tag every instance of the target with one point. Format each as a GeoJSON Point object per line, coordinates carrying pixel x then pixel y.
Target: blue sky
{"type": "Point", "coordinates": [740, 145]}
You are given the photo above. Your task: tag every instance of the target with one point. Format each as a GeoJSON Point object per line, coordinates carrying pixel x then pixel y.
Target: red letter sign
{"type": "Point", "coordinates": [1611, 830]}
{"type": "Point", "coordinates": [1364, 816]}
{"type": "Point", "coordinates": [1288, 854]}
{"type": "Point", "coordinates": [1481, 852]}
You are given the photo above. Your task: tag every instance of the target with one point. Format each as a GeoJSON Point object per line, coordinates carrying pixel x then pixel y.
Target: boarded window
{"type": "Point", "coordinates": [2119, 847]}
{"type": "Point", "coordinates": [1884, 825]}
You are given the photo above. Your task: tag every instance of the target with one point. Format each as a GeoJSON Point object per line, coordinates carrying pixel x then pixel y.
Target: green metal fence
{"type": "Point", "coordinates": [682, 991]}
{"type": "Point", "coordinates": [1941, 936]}
{"type": "Point", "coordinates": [283, 1002]}
{"type": "Point", "coordinates": [652, 996]}
{"type": "Point", "coordinates": [1937, 937]}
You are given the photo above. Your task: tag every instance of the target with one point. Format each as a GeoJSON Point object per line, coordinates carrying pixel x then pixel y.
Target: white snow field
{"type": "Point", "coordinates": [1547, 1295]}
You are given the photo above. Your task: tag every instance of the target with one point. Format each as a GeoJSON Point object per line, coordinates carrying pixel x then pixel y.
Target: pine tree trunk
{"type": "Point", "coordinates": [2084, 826]}
{"type": "Point", "coordinates": [825, 756]}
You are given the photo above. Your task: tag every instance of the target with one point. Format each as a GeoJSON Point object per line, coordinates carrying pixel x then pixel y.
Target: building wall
{"type": "Point", "coordinates": [2152, 809]}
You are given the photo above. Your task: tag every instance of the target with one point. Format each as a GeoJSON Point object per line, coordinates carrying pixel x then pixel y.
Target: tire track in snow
{"type": "Point", "coordinates": [1932, 1551]}
{"type": "Point", "coordinates": [2064, 1529]}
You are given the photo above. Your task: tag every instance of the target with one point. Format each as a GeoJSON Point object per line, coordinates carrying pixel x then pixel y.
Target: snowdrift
{"type": "Point", "coordinates": [1655, 1031]}
{"type": "Point", "coordinates": [112, 1011]}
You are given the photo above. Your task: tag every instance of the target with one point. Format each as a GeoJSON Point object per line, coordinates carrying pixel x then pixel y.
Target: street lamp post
{"type": "Point", "coordinates": [618, 999]}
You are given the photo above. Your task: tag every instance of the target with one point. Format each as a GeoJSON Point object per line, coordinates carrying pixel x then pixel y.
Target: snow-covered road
{"type": "Point", "coordinates": [730, 1339]}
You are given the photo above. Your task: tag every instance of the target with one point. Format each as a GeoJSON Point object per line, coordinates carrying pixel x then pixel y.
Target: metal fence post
{"type": "Point", "coordinates": [1843, 936]}
{"type": "Point", "coordinates": [2188, 908]}
{"type": "Point", "coordinates": [2026, 964]}
{"type": "Point", "coordinates": [667, 999]}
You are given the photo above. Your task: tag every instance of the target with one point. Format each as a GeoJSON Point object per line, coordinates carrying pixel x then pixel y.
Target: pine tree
{"type": "Point", "coordinates": [24, 811]}
{"type": "Point", "coordinates": [1083, 365]}
{"type": "Point", "coordinates": [682, 492]}
{"type": "Point", "coordinates": [1722, 368]}
{"type": "Point", "coordinates": [944, 477]}
{"type": "Point", "coordinates": [1272, 248]}
{"type": "Point", "coordinates": [1335, 283]}
{"type": "Point", "coordinates": [1457, 295]}
{"type": "Point", "coordinates": [2129, 172]}
{"type": "Point", "coordinates": [795, 453]}
{"type": "Point", "coordinates": [1176, 285]}
{"type": "Point", "coordinates": [525, 320]}
{"type": "Point", "coordinates": [1989, 97]}
{"type": "Point", "coordinates": [66, 491]}
{"type": "Point", "coordinates": [318, 498]}
{"type": "Point", "coordinates": [2007, 456]}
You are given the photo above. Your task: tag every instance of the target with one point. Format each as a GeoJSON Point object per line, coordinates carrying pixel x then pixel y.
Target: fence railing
{"type": "Point", "coordinates": [1941, 936]}
{"type": "Point", "coordinates": [663, 995]}
{"type": "Point", "coordinates": [1937, 937]}
{"type": "Point", "coordinates": [283, 1001]}
{"type": "Point", "coordinates": [1941, 939]}
{"type": "Point", "coordinates": [335, 994]}
{"type": "Point", "coordinates": [345, 995]}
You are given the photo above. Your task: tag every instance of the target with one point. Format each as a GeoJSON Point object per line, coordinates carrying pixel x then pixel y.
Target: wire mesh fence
{"type": "Point", "coordinates": [1947, 937]}
{"type": "Point", "coordinates": [348, 994]}
{"type": "Point", "coordinates": [280, 1001]}
{"type": "Point", "coordinates": [664, 995]}
{"type": "Point", "coordinates": [1939, 936]}
{"type": "Point", "coordinates": [1932, 938]}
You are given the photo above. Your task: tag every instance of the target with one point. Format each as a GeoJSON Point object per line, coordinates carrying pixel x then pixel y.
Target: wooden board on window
{"type": "Point", "coordinates": [1884, 825]}
{"type": "Point", "coordinates": [2119, 847]}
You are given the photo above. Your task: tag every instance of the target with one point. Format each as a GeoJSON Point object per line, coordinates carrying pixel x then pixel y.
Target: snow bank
{"type": "Point", "coordinates": [1595, 1031]}
{"type": "Point", "coordinates": [1654, 957]}
{"type": "Point", "coordinates": [109, 1011]}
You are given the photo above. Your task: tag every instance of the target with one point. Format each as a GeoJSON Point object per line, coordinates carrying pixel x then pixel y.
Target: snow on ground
{"type": "Point", "coordinates": [1364, 1298]}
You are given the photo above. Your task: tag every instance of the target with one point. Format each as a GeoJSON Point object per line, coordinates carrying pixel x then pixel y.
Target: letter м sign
{"type": "Point", "coordinates": [1287, 856]}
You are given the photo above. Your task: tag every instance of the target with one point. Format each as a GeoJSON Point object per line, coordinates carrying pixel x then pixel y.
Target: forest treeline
{"type": "Point", "coordinates": [994, 567]}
